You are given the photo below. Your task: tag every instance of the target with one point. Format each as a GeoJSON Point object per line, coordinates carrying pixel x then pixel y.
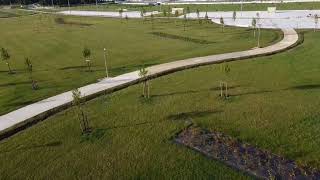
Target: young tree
{"type": "Point", "coordinates": [227, 71]}
{"type": "Point", "coordinates": [223, 84]}
{"type": "Point", "coordinates": [234, 15]}
{"type": "Point", "coordinates": [5, 56]}
{"type": "Point", "coordinates": [188, 11]}
{"type": "Point", "coordinates": [258, 17]}
{"type": "Point", "coordinates": [206, 18]}
{"type": "Point", "coordinates": [184, 22]}
{"type": "Point", "coordinates": [127, 18]}
{"type": "Point", "coordinates": [222, 24]}
{"type": "Point", "coordinates": [141, 14]}
{"type": "Point", "coordinates": [254, 26]}
{"type": "Point", "coordinates": [259, 34]}
{"type": "Point", "coordinates": [316, 21]}
{"type": "Point", "coordinates": [86, 53]}
{"type": "Point", "coordinates": [152, 21]}
{"type": "Point", "coordinates": [198, 13]}
{"type": "Point", "coordinates": [120, 12]}
{"type": "Point", "coordinates": [81, 115]}
{"type": "Point", "coordinates": [176, 13]}
{"type": "Point", "coordinates": [146, 90]}
{"type": "Point", "coordinates": [29, 68]}
{"type": "Point", "coordinates": [164, 12]}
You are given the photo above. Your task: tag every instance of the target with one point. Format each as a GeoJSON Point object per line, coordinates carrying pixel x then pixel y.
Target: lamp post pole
{"type": "Point", "coordinates": [69, 5]}
{"type": "Point", "coordinates": [105, 61]}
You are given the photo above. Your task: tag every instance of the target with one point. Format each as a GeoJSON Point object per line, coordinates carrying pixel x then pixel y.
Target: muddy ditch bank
{"type": "Point", "coordinates": [242, 156]}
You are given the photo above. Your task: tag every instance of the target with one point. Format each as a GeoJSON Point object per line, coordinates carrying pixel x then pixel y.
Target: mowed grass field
{"type": "Point", "coordinates": [194, 7]}
{"type": "Point", "coordinates": [274, 105]}
{"type": "Point", "coordinates": [8, 13]}
{"type": "Point", "coordinates": [55, 50]}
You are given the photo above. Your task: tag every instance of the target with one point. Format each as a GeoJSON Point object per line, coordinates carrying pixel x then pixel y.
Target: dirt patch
{"type": "Point", "coordinates": [61, 20]}
{"type": "Point", "coordinates": [242, 156]}
{"type": "Point", "coordinates": [188, 39]}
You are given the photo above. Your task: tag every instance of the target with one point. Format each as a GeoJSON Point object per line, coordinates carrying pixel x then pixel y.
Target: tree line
{"type": "Point", "coordinates": [47, 2]}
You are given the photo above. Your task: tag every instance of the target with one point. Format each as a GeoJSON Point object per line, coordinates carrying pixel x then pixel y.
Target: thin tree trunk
{"type": "Point", "coordinates": [146, 89]}
{"type": "Point", "coordinates": [9, 68]}
{"type": "Point", "coordinates": [85, 122]}
{"type": "Point", "coordinates": [148, 84]}
{"type": "Point", "coordinates": [85, 117]}
{"type": "Point", "coordinates": [31, 76]}
{"type": "Point", "coordinates": [226, 89]}
{"type": "Point", "coordinates": [221, 89]}
{"type": "Point", "coordinates": [143, 87]}
{"type": "Point", "coordinates": [79, 119]}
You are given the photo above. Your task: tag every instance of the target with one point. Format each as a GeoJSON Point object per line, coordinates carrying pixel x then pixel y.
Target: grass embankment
{"type": "Point", "coordinates": [274, 105]}
{"type": "Point", "coordinates": [8, 13]}
{"type": "Point", "coordinates": [194, 7]}
{"type": "Point", "coordinates": [55, 48]}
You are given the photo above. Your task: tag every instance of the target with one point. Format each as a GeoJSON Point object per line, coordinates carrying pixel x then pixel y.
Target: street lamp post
{"type": "Point", "coordinates": [105, 61]}
{"type": "Point", "coordinates": [69, 5]}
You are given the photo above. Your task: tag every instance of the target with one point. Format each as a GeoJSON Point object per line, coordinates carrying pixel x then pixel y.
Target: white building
{"type": "Point", "coordinates": [174, 10]}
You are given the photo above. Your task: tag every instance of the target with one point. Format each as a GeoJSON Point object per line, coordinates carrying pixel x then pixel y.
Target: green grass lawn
{"type": "Point", "coordinates": [274, 105]}
{"type": "Point", "coordinates": [194, 7]}
{"type": "Point", "coordinates": [56, 50]}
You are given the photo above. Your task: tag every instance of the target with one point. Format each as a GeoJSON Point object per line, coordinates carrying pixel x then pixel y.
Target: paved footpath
{"type": "Point", "coordinates": [24, 117]}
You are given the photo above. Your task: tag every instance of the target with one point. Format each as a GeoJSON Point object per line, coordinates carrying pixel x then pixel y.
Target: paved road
{"type": "Point", "coordinates": [222, 2]}
{"type": "Point", "coordinates": [297, 19]}
{"type": "Point", "coordinates": [129, 14]}
{"type": "Point", "coordinates": [19, 119]}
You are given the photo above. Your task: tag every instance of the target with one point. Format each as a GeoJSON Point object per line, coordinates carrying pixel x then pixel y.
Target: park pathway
{"type": "Point", "coordinates": [22, 118]}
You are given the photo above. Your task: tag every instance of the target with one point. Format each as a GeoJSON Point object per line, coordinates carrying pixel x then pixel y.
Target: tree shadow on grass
{"type": "Point", "coordinates": [192, 114]}
{"type": "Point", "coordinates": [191, 91]}
{"type": "Point", "coordinates": [76, 67]}
{"type": "Point", "coordinates": [128, 68]}
{"type": "Point", "coordinates": [14, 84]}
{"type": "Point", "coordinates": [250, 93]}
{"type": "Point", "coordinates": [21, 103]}
{"type": "Point", "coordinates": [135, 124]}
{"type": "Point", "coordinates": [300, 87]}
{"type": "Point", "coordinates": [175, 93]}
{"type": "Point", "coordinates": [306, 87]}
{"type": "Point", "coordinates": [95, 135]}
{"type": "Point", "coordinates": [18, 83]}
{"type": "Point", "coordinates": [218, 88]}
{"type": "Point", "coordinates": [34, 146]}
{"type": "Point", "coordinates": [72, 67]}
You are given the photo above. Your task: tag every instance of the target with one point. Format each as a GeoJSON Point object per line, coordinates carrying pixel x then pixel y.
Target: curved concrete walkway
{"type": "Point", "coordinates": [24, 117]}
